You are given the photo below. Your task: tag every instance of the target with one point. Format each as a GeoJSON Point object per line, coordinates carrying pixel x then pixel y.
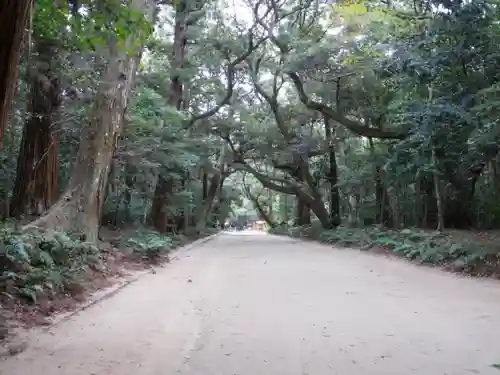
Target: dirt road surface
{"type": "Point", "coordinates": [264, 305]}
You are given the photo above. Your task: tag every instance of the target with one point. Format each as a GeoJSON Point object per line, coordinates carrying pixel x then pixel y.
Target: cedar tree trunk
{"type": "Point", "coordinates": [14, 16]}
{"type": "Point", "coordinates": [37, 179]}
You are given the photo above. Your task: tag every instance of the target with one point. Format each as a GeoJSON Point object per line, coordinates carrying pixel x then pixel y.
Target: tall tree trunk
{"type": "Point", "coordinates": [271, 203]}
{"type": "Point", "coordinates": [215, 186]}
{"type": "Point", "coordinates": [78, 210]}
{"type": "Point", "coordinates": [158, 216]}
{"type": "Point", "coordinates": [175, 98]}
{"type": "Point", "coordinates": [284, 206]}
{"type": "Point", "coordinates": [206, 207]}
{"type": "Point", "coordinates": [437, 191]}
{"type": "Point", "coordinates": [204, 184]}
{"type": "Point", "coordinates": [417, 206]}
{"type": "Point", "coordinates": [223, 207]}
{"type": "Point", "coordinates": [14, 16]}
{"type": "Point", "coordinates": [314, 200]}
{"type": "Point", "coordinates": [318, 207]}
{"type": "Point", "coordinates": [303, 214]}
{"type": "Point", "coordinates": [384, 216]}
{"type": "Point", "coordinates": [429, 207]}
{"type": "Point", "coordinates": [37, 179]}
{"type": "Point", "coordinates": [383, 211]}
{"type": "Point", "coordinates": [332, 175]}
{"type": "Point", "coordinates": [302, 209]}
{"type": "Point", "coordinates": [186, 182]}
{"type": "Point", "coordinates": [126, 201]}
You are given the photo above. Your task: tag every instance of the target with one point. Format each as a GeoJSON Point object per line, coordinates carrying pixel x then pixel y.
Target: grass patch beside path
{"type": "Point", "coordinates": [474, 253]}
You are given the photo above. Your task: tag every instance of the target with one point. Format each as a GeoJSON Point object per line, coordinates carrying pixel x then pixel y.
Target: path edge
{"type": "Point", "coordinates": [109, 292]}
{"type": "Point", "coordinates": [19, 344]}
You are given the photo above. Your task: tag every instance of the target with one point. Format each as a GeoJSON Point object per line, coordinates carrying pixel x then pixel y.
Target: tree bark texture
{"type": "Point", "coordinates": [14, 15]}
{"type": "Point", "coordinates": [303, 215]}
{"type": "Point", "coordinates": [158, 216]}
{"type": "Point", "coordinates": [437, 191]}
{"type": "Point", "coordinates": [78, 210]}
{"type": "Point", "coordinates": [37, 180]}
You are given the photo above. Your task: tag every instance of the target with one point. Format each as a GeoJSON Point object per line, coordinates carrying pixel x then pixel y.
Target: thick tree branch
{"type": "Point", "coordinates": [271, 100]}
{"type": "Point", "coordinates": [284, 49]}
{"type": "Point", "coordinates": [267, 181]}
{"type": "Point", "coordinates": [352, 125]}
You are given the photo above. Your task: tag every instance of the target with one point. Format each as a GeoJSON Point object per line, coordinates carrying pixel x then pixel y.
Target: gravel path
{"type": "Point", "coordinates": [264, 305]}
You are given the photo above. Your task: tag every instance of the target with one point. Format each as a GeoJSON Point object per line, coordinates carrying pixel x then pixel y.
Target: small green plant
{"type": "Point", "coordinates": [149, 244]}
{"type": "Point", "coordinates": [35, 264]}
{"type": "Point", "coordinates": [414, 244]}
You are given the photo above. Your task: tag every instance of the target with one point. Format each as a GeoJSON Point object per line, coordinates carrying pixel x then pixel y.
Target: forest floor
{"type": "Point", "coordinates": [251, 304]}
{"type": "Point", "coordinates": [34, 291]}
{"type": "Point", "coordinates": [489, 238]}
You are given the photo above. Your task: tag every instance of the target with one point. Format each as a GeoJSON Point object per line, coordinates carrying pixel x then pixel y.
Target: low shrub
{"type": "Point", "coordinates": [427, 247]}
{"type": "Point", "coordinates": [35, 264]}
{"type": "Point", "coordinates": [279, 229]}
{"type": "Point", "coordinates": [149, 245]}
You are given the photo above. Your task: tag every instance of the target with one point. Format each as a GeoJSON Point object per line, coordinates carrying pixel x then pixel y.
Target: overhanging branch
{"type": "Point", "coordinates": [267, 181]}
{"type": "Point", "coordinates": [330, 113]}
{"type": "Point", "coordinates": [285, 49]}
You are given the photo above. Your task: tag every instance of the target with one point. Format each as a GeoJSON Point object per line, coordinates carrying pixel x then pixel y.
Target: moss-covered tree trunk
{"type": "Point", "coordinates": [14, 16]}
{"type": "Point", "coordinates": [78, 210]}
{"type": "Point", "coordinates": [37, 179]}
{"type": "Point", "coordinates": [159, 213]}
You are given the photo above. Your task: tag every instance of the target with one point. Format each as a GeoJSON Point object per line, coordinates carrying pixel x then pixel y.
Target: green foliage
{"type": "Point", "coordinates": [94, 25]}
{"type": "Point", "coordinates": [35, 265]}
{"type": "Point", "coordinates": [148, 244]}
{"type": "Point", "coordinates": [49, 19]}
{"type": "Point", "coordinates": [426, 247]}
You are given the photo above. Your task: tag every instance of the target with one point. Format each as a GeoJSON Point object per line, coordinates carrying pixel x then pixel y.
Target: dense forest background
{"type": "Point", "coordinates": [180, 116]}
